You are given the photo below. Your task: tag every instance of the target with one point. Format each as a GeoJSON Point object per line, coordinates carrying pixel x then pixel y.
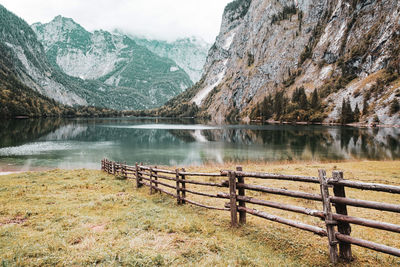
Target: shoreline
{"type": "Point", "coordinates": [355, 124]}
{"type": "Point", "coordinates": [244, 120]}
{"type": "Point", "coordinates": [8, 173]}
{"type": "Point", "coordinates": [226, 165]}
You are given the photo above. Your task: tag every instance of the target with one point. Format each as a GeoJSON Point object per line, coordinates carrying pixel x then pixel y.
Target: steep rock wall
{"type": "Point", "coordinates": [341, 48]}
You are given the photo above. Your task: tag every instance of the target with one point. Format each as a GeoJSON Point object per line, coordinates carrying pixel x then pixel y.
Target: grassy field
{"type": "Point", "coordinates": [87, 217]}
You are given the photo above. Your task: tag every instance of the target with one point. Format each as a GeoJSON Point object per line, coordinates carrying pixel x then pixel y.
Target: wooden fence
{"type": "Point", "coordinates": [337, 224]}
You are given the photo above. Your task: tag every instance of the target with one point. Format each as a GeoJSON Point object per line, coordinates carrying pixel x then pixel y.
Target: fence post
{"type": "Point", "coordinates": [232, 197]}
{"type": "Point", "coordinates": [138, 184]}
{"type": "Point", "coordinates": [178, 199]}
{"type": "Point", "coordinates": [141, 175]}
{"type": "Point", "coordinates": [125, 173]}
{"type": "Point", "coordinates": [156, 179]}
{"type": "Point", "coordinates": [343, 227]}
{"type": "Point", "coordinates": [242, 214]}
{"type": "Point", "coordinates": [329, 222]}
{"type": "Point", "coordinates": [151, 181]}
{"type": "Point", "coordinates": [113, 167]}
{"type": "Point", "coordinates": [183, 186]}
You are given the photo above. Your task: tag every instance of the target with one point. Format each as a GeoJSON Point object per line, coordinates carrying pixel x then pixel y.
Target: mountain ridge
{"type": "Point", "coordinates": [189, 53]}
{"type": "Point", "coordinates": [113, 59]}
{"type": "Point", "coordinates": [272, 57]}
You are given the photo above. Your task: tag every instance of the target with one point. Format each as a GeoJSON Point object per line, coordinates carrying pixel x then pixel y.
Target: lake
{"type": "Point", "coordinates": [81, 143]}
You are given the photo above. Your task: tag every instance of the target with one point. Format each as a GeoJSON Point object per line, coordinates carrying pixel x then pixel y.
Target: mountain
{"type": "Point", "coordinates": [28, 84]}
{"type": "Point", "coordinates": [26, 60]}
{"type": "Point", "coordinates": [305, 60]}
{"type": "Point", "coordinates": [31, 86]}
{"type": "Point", "coordinates": [189, 53]}
{"type": "Point", "coordinates": [113, 59]}
{"type": "Point", "coordinates": [17, 99]}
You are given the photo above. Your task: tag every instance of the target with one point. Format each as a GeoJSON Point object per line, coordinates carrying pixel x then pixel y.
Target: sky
{"type": "Point", "coordinates": [159, 19]}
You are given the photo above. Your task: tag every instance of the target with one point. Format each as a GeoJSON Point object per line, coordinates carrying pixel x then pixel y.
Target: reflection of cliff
{"type": "Point", "coordinates": [128, 136]}
{"type": "Point", "coordinates": [17, 132]}
{"type": "Point", "coordinates": [316, 142]}
{"type": "Point", "coordinates": [69, 131]}
{"type": "Point", "coordinates": [87, 141]}
{"type": "Point", "coordinates": [379, 143]}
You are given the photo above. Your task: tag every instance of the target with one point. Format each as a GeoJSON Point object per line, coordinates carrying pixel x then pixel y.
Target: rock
{"type": "Point", "coordinates": [267, 42]}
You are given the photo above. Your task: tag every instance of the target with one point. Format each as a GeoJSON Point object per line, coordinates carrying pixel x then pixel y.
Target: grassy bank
{"type": "Point", "coordinates": [87, 217]}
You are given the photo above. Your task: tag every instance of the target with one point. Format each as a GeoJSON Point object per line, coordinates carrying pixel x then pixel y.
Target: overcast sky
{"type": "Point", "coordinates": [163, 19]}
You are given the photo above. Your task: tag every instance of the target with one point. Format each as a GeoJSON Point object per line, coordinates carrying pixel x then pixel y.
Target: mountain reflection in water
{"type": "Point", "coordinates": [60, 143]}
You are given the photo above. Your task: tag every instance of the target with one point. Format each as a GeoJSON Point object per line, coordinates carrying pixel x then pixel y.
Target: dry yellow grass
{"type": "Point", "coordinates": [387, 172]}
{"type": "Point", "coordinates": [88, 217]}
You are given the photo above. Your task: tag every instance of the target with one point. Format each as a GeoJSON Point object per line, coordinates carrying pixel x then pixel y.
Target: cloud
{"type": "Point", "coordinates": [163, 19]}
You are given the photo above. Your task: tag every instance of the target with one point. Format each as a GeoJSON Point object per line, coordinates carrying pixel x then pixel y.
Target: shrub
{"type": "Point", "coordinates": [394, 106]}
{"type": "Point", "coordinates": [250, 59]}
{"type": "Point", "coordinates": [241, 6]}
{"type": "Point", "coordinates": [285, 14]}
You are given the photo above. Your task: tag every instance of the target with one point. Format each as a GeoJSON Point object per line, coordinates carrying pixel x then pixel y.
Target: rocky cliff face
{"type": "Point", "coordinates": [30, 79]}
{"type": "Point", "coordinates": [113, 59]}
{"type": "Point", "coordinates": [28, 60]}
{"type": "Point", "coordinates": [346, 50]}
{"type": "Point", "coordinates": [189, 53]}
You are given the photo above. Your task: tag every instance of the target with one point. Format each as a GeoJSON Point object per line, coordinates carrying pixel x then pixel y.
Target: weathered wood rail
{"type": "Point", "coordinates": [337, 224]}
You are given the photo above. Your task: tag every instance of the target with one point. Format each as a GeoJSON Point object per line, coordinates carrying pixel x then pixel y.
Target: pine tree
{"type": "Point", "coordinates": [280, 103]}
{"type": "Point", "coordinates": [350, 115]}
{"type": "Point", "coordinates": [343, 113]}
{"type": "Point", "coordinates": [267, 107]}
{"type": "Point", "coordinates": [347, 115]}
{"type": "Point", "coordinates": [365, 107]}
{"type": "Point", "coordinates": [295, 96]}
{"type": "Point", "coordinates": [315, 100]}
{"type": "Point", "coordinates": [356, 115]}
{"type": "Point", "coordinates": [303, 99]}
{"type": "Point", "coordinates": [299, 97]}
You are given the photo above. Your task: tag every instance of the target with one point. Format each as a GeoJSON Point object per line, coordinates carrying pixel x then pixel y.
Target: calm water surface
{"type": "Point", "coordinates": [59, 143]}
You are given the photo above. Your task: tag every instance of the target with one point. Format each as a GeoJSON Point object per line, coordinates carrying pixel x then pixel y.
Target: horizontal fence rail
{"type": "Point", "coordinates": [337, 224]}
